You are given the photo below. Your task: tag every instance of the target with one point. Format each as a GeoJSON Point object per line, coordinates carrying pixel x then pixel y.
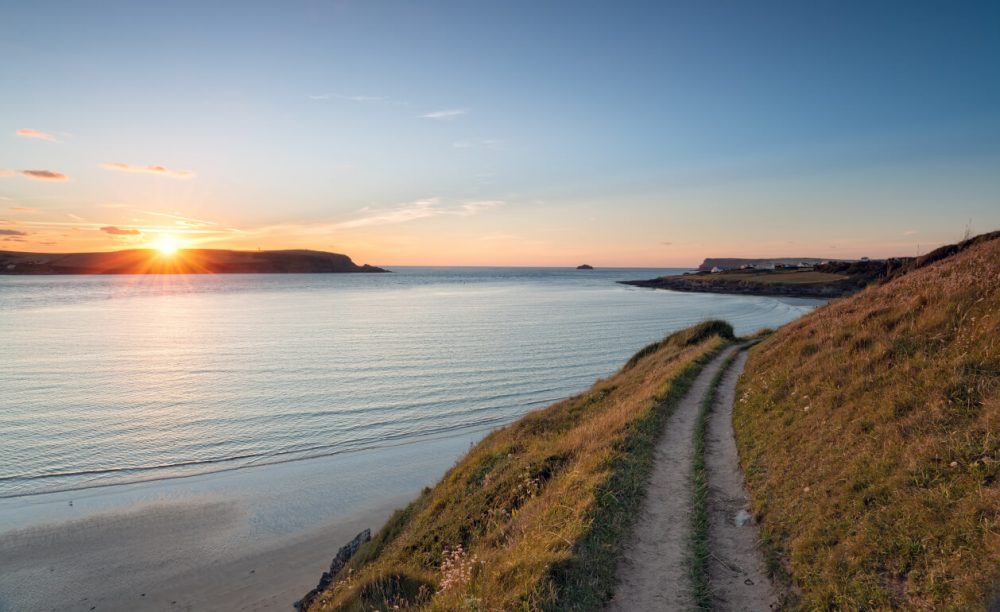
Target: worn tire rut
{"type": "Point", "coordinates": [653, 573]}
{"type": "Point", "coordinates": [737, 574]}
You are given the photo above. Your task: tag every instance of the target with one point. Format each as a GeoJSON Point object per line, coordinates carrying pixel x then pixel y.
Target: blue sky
{"type": "Point", "coordinates": [502, 133]}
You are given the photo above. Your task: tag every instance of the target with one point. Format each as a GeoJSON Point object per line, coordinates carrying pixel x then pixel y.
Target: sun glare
{"type": "Point", "coordinates": [167, 245]}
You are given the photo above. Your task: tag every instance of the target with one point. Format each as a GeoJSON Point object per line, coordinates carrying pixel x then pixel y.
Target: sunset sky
{"type": "Point", "coordinates": [504, 133]}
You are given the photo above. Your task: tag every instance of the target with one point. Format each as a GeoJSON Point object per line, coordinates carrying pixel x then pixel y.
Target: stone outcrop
{"type": "Point", "coordinates": [343, 556]}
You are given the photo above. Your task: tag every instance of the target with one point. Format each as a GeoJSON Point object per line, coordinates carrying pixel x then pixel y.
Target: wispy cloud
{"type": "Point", "coordinates": [488, 143]}
{"type": "Point", "coordinates": [45, 175]}
{"type": "Point", "coordinates": [10, 232]}
{"type": "Point", "coordinates": [910, 233]}
{"type": "Point", "coordinates": [153, 169]}
{"type": "Point", "coordinates": [418, 209]}
{"type": "Point", "coordinates": [472, 208]}
{"type": "Point", "coordinates": [22, 209]}
{"type": "Point", "coordinates": [5, 172]}
{"type": "Point", "coordinates": [360, 99]}
{"type": "Point", "coordinates": [368, 99]}
{"type": "Point", "coordinates": [444, 115]}
{"type": "Point", "coordinates": [499, 236]}
{"type": "Point", "coordinates": [181, 220]}
{"type": "Point", "coordinates": [120, 231]}
{"type": "Point", "coordinates": [409, 211]}
{"type": "Point", "coordinates": [30, 133]}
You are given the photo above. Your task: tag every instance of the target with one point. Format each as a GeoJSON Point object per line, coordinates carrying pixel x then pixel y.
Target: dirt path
{"type": "Point", "coordinates": [737, 574]}
{"type": "Point", "coordinates": [654, 571]}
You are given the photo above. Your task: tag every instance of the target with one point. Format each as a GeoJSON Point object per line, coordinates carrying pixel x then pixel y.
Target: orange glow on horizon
{"type": "Point", "coordinates": [167, 245]}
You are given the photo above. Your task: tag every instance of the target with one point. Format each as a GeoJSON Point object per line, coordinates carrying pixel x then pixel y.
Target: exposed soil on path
{"type": "Point", "coordinates": [654, 571]}
{"type": "Point", "coordinates": [737, 574]}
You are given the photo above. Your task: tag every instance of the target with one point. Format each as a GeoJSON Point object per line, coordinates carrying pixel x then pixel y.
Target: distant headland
{"type": "Point", "coordinates": [790, 277]}
{"type": "Point", "coordinates": [799, 277]}
{"type": "Point", "coordinates": [184, 261]}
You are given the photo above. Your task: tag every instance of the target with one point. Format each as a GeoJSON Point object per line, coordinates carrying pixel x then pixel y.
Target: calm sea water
{"type": "Point", "coordinates": [107, 380]}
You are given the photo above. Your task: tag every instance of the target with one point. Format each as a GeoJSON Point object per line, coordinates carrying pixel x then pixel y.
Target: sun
{"type": "Point", "coordinates": [167, 245]}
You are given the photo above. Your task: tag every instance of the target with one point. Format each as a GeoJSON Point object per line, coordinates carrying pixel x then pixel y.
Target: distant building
{"type": "Point", "coordinates": [865, 259]}
{"type": "Point", "coordinates": [716, 270]}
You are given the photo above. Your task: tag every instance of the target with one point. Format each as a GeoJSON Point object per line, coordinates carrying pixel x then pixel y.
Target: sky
{"type": "Point", "coordinates": [501, 133]}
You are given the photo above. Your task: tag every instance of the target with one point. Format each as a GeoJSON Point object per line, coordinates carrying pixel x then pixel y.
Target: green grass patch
{"type": "Point", "coordinates": [689, 337]}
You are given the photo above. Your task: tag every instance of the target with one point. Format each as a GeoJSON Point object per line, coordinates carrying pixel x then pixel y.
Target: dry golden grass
{"type": "Point", "coordinates": [870, 433]}
{"type": "Point", "coordinates": [538, 508]}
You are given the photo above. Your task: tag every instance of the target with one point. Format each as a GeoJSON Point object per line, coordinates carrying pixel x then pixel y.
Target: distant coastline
{"type": "Point", "coordinates": [696, 284]}
{"type": "Point", "coordinates": [807, 278]}
{"type": "Point", "coordinates": [186, 261]}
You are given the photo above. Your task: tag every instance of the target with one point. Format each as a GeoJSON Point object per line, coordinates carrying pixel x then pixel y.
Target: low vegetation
{"type": "Point", "coordinates": [794, 277]}
{"type": "Point", "coordinates": [870, 433]}
{"type": "Point", "coordinates": [534, 517]}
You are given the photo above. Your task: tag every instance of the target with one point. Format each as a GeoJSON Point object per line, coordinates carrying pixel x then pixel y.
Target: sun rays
{"type": "Point", "coordinates": [167, 245]}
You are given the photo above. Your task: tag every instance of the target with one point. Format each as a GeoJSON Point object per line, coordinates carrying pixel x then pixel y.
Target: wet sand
{"type": "Point", "coordinates": [188, 556]}
{"type": "Point", "coordinates": [253, 539]}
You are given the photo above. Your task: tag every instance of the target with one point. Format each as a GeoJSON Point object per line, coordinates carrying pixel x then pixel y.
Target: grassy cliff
{"type": "Point", "coordinates": [534, 516]}
{"type": "Point", "coordinates": [870, 433]}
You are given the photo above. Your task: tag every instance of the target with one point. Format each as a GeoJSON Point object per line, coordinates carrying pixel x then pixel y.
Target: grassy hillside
{"type": "Point", "coordinates": [533, 517]}
{"type": "Point", "coordinates": [870, 432]}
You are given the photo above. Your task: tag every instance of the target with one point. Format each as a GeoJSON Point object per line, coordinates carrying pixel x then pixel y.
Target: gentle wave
{"type": "Point", "coordinates": [367, 442]}
{"type": "Point", "coordinates": [111, 380]}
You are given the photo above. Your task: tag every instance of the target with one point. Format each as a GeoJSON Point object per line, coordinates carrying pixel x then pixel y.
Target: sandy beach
{"type": "Point", "coordinates": [252, 539]}
{"type": "Point", "coordinates": [172, 556]}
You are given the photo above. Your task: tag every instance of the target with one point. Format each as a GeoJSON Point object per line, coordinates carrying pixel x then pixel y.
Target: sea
{"type": "Point", "coordinates": [109, 381]}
